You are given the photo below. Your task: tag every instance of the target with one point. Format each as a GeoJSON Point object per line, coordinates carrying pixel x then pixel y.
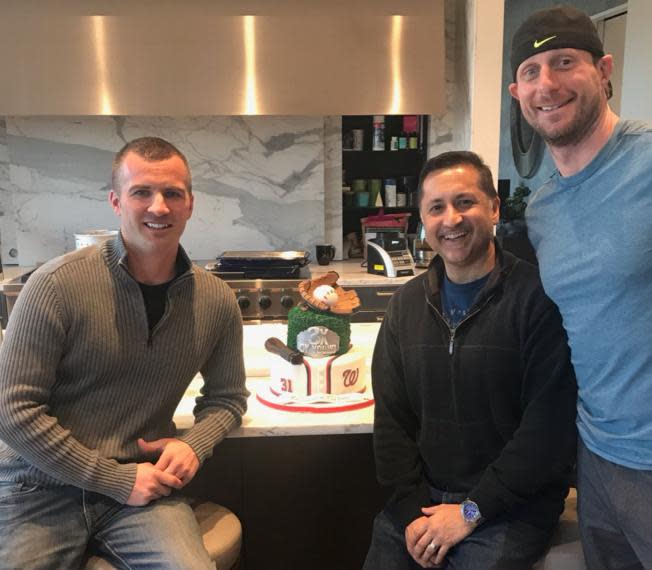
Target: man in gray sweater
{"type": "Point", "coordinates": [101, 345]}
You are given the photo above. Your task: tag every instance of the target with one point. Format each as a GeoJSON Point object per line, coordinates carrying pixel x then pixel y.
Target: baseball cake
{"type": "Point", "coordinates": [318, 370]}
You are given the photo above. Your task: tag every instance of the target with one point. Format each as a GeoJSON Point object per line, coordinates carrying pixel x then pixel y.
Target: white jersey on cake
{"type": "Point", "coordinates": [343, 374]}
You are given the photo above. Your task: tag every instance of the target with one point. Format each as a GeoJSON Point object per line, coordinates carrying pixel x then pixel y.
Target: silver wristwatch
{"type": "Point", "coordinates": [470, 512]}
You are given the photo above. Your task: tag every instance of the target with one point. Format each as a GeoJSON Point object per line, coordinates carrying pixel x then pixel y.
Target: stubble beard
{"type": "Point", "coordinates": [577, 130]}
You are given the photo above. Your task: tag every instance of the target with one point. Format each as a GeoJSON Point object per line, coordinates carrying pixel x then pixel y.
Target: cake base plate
{"type": "Point", "coordinates": [321, 404]}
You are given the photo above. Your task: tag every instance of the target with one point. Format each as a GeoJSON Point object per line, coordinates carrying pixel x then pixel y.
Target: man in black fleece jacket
{"type": "Point", "coordinates": [475, 394]}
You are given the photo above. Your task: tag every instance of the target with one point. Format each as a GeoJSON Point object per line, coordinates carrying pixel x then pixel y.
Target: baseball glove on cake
{"type": "Point", "coordinates": [324, 294]}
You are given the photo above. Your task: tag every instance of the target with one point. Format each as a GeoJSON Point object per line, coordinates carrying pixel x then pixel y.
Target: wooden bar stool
{"type": "Point", "coordinates": [221, 531]}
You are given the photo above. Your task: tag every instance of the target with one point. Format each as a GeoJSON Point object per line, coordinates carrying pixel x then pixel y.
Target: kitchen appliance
{"type": "Point", "coordinates": [259, 264]}
{"type": "Point", "coordinates": [265, 283]}
{"type": "Point", "coordinates": [385, 240]}
{"type": "Point", "coordinates": [388, 254]}
{"type": "Point", "coordinates": [381, 222]}
{"type": "Point", "coordinates": [266, 299]}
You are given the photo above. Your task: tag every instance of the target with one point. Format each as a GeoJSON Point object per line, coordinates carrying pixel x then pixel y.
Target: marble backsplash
{"type": "Point", "coordinates": [258, 181]}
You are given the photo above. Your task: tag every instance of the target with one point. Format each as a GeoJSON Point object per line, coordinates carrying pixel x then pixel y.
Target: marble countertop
{"type": "Point", "coordinates": [262, 421]}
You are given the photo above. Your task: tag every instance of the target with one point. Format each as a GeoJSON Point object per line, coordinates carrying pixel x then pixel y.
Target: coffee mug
{"type": "Point", "coordinates": [362, 199]}
{"type": "Point", "coordinates": [325, 253]}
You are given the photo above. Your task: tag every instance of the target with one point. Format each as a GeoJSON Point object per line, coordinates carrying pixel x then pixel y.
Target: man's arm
{"type": "Point", "coordinates": [223, 399]}
{"type": "Point", "coordinates": [543, 447]}
{"type": "Point", "coordinates": [398, 461]}
{"type": "Point", "coordinates": [30, 354]}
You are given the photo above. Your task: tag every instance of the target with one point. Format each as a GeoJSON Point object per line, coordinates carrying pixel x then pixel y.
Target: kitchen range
{"type": "Point", "coordinates": [266, 283]}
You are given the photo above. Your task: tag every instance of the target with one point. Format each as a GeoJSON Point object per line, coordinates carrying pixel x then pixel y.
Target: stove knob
{"type": "Point", "coordinates": [243, 302]}
{"type": "Point", "coordinates": [265, 302]}
{"type": "Point", "coordinates": [287, 301]}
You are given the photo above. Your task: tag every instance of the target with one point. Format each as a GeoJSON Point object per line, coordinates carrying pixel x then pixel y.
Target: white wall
{"type": "Point", "coordinates": [485, 50]}
{"type": "Point", "coordinates": [637, 74]}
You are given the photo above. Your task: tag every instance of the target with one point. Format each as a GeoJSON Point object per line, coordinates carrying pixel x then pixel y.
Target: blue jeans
{"type": "Point", "coordinates": [613, 506]}
{"type": "Point", "coordinates": [53, 527]}
{"type": "Point", "coordinates": [500, 544]}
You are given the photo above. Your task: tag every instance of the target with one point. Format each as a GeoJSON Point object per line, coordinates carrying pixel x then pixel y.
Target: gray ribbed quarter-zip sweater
{"type": "Point", "coordinates": [82, 378]}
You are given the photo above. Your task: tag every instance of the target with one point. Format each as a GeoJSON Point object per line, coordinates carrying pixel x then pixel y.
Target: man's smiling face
{"type": "Point", "coordinates": [153, 201]}
{"type": "Point", "coordinates": [458, 218]}
{"type": "Point", "coordinates": [562, 93]}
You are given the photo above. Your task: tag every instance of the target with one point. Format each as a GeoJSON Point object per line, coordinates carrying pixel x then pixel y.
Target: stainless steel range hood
{"type": "Point", "coordinates": [202, 57]}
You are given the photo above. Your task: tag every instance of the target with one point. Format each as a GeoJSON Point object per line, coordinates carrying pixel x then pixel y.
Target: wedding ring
{"type": "Point", "coordinates": [432, 546]}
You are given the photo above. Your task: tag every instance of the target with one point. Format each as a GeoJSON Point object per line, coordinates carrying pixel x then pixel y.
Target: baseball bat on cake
{"type": "Point", "coordinates": [332, 375]}
{"type": "Point", "coordinates": [278, 347]}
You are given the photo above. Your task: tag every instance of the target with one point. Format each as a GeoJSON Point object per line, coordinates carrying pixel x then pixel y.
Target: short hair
{"type": "Point", "coordinates": [455, 158]}
{"type": "Point", "coordinates": [151, 149]}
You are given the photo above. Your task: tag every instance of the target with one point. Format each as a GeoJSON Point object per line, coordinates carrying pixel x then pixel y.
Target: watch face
{"type": "Point", "coordinates": [470, 511]}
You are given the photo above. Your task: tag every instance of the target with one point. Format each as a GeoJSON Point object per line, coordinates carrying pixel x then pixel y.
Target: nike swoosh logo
{"type": "Point", "coordinates": [537, 44]}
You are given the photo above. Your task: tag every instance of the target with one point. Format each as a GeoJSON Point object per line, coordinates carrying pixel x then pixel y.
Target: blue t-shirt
{"type": "Point", "coordinates": [457, 298]}
{"type": "Point", "coordinates": [593, 236]}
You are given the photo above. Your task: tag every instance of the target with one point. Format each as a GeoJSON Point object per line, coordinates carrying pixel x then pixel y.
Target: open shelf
{"type": "Point", "coordinates": [382, 164]}
{"type": "Point", "coordinates": [403, 166]}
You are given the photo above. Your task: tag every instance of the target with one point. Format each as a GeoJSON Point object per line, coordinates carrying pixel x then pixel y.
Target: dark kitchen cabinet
{"type": "Point", "coordinates": [373, 302]}
{"type": "Point", "coordinates": [304, 501]}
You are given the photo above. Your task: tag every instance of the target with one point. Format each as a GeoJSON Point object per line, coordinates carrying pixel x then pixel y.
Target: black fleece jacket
{"type": "Point", "coordinates": [486, 408]}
